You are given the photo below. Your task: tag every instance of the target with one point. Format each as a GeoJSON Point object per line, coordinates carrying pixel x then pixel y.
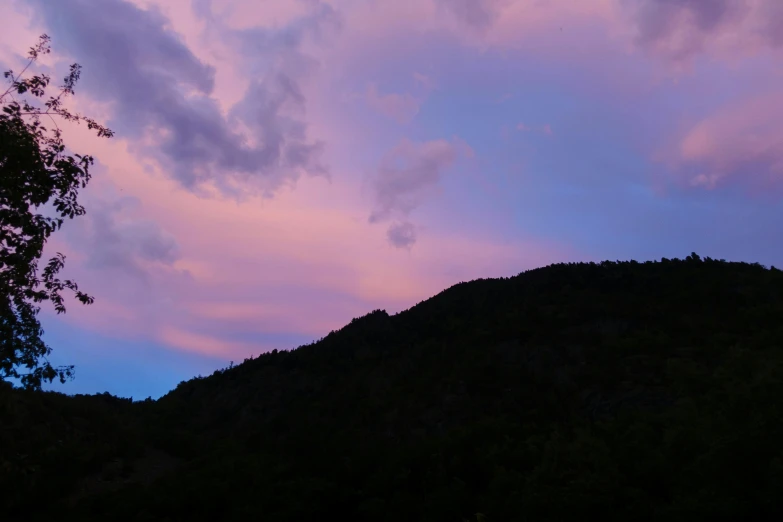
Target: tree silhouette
{"type": "Point", "coordinates": [39, 185]}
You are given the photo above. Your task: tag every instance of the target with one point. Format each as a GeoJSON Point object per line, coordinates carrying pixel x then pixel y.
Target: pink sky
{"type": "Point", "coordinates": [282, 166]}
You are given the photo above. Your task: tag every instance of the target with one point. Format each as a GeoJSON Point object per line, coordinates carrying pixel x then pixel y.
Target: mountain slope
{"type": "Point", "coordinates": [616, 390]}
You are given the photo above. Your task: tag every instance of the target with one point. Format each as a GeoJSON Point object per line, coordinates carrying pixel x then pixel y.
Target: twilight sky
{"type": "Point", "coordinates": [282, 166]}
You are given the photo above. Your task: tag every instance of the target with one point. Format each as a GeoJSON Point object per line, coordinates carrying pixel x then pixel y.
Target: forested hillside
{"type": "Point", "coordinates": [611, 391]}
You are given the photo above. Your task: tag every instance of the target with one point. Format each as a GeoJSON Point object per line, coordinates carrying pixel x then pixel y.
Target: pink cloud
{"type": "Point", "coordinates": [522, 127]}
{"type": "Point", "coordinates": [240, 14]}
{"type": "Point", "coordinates": [551, 26]}
{"type": "Point", "coordinates": [254, 315]}
{"type": "Point", "coordinates": [742, 142]}
{"type": "Point", "coordinates": [208, 345]}
{"type": "Point", "coordinates": [547, 129]}
{"type": "Point", "coordinates": [399, 107]}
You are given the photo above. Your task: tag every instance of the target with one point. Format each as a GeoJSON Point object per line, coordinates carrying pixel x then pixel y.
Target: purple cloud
{"type": "Point", "coordinates": [478, 14]}
{"type": "Point", "coordinates": [773, 26]}
{"type": "Point", "coordinates": [683, 28]}
{"type": "Point", "coordinates": [402, 235]}
{"type": "Point", "coordinates": [127, 245]}
{"type": "Point", "coordinates": [407, 173]}
{"type": "Point", "coordinates": [156, 84]}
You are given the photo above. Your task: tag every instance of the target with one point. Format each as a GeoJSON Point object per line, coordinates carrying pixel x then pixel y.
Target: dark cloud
{"type": "Point", "coordinates": [402, 235]}
{"type": "Point", "coordinates": [132, 59]}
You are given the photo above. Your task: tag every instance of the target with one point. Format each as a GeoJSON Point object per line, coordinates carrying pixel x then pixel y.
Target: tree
{"type": "Point", "coordinates": [39, 185]}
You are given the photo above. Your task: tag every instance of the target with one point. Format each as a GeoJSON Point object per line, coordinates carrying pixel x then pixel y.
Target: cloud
{"type": "Point", "coordinates": [114, 242]}
{"type": "Point", "coordinates": [544, 129]}
{"type": "Point", "coordinates": [407, 172]}
{"type": "Point", "coordinates": [478, 14]}
{"type": "Point", "coordinates": [680, 29]}
{"type": "Point", "coordinates": [741, 143]}
{"type": "Point", "coordinates": [161, 94]}
{"type": "Point", "coordinates": [205, 344]}
{"type": "Point", "coordinates": [280, 47]}
{"type": "Point", "coordinates": [424, 81]}
{"type": "Point", "coordinates": [402, 235]}
{"type": "Point", "coordinates": [243, 13]}
{"type": "Point", "coordinates": [772, 28]}
{"type": "Point", "coordinates": [399, 107]}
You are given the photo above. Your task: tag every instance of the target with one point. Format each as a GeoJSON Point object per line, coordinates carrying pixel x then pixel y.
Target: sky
{"type": "Point", "coordinates": [282, 166]}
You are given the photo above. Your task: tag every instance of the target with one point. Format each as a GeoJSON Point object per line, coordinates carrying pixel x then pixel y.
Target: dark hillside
{"type": "Point", "coordinates": [613, 391]}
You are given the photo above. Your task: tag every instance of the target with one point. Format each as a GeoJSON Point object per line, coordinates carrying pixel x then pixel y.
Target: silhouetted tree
{"type": "Point", "coordinates": [39, 186]}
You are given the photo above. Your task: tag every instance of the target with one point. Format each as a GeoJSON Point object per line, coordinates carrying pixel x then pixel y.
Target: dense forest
{"type": "Point", "coordinates": [605, 391]}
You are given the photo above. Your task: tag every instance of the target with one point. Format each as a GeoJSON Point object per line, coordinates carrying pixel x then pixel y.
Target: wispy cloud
{"type": "Point", "coordinates": [741, 144]}
{"type": "Point", "coordinates": [114, 243]}
{"type": "Point", "coordinates": [681, 29]}
{"type": "Point", "coordinates": [424, 81]}
{"type": "Point", "coordinates": [399, 107]}
{"type": "Point", "coordinates": [407, 173]}
{"type": "Point", "coordinates": [477, 14]}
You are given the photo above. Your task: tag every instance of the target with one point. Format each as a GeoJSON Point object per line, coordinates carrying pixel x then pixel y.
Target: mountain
{"type": "Point", "coordinates": [607, 391]}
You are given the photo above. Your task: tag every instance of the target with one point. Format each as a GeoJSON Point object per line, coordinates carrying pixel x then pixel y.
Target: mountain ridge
{"type": "Point", "coordinates": [612, 389]}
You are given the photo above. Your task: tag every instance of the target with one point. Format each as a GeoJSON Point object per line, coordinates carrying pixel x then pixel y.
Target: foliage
{"type": "Point", "coordinates": [609, 391]}
{"type": "Point", "coordinates": [36, 176]}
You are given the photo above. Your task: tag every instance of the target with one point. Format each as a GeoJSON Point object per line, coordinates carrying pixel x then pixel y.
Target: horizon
{"type": "Point", "coordinates": [282, 167]}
